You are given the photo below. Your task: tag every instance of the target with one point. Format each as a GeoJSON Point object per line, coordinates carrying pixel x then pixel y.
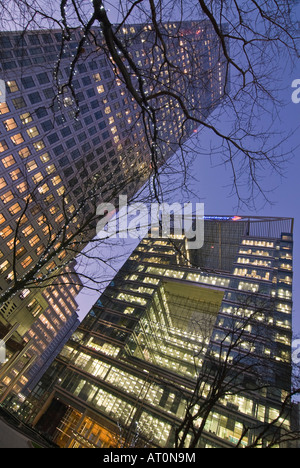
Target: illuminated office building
{"type": "Point", "coordinates": [169, 316]}
{"type": "Point", "coordinates": [26, 363]}
{"type": "Point", "coordinates": [60, 148]}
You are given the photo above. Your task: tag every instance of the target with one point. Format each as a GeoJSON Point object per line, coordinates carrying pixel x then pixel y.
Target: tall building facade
{"type": "Point", "coordinates": [43, 341]}
{"type": "Point", "coordinates": [72, 135]}
{"type": "Point", "coordinates": [184, 348]}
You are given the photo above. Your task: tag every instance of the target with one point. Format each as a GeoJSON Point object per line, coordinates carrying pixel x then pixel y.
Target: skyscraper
{"type": "Point", "coordinates": [72, 135]}
{"type": "Point", "coordinates": [187, 349]}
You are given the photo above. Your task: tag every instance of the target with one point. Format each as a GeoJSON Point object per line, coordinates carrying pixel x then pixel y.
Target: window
{"type": "Point", "coordinates": [7, 197]}
{"type": "Point", "coordinates": [43, 189]}
{"type": "Point", "coordinates": [22, 187]}
{"type": "Point", "coordinates": [53, 138]}
{"type": "Point", "coordinates": [5, 232]}
{"type": "Point", "coordinates": [26, 118]}
{"type": "Point", "coordinates": [43, 78]}
{"type": "Point", "coordinates": [97, 77]}
{"type": "Point", "coordinates": [37, 177]}
{"type": "Point", "coordinates": [12, 86]}
{"type": "Point", "coordinates": [19, 103]}
{"type": "Point", "coordinates": [8, 161]}
{"type": "Point", "coordinates": [86, 81]}
{"type": "Point", "coordinates": [54, 209]}
{"type": "Point", "coordinates": [46, 126]}
{"type": "Point", "coordinates": [50, 169]}
{"type": "Point", "coordinates": [3, 146]}
{"type": "Point", "coordinates": [2, 219]}
{"type": "Point", "coordinates": [31, 166]}
{"type": "Point", "coordinates": [41, 112]}
{"type": "Point", "coordinates": [35, 97]}
{"type": "Point", "coordinates": [14, 209]}
{"type": "Point", "coordinates": [56, 180]}
{"type": "Point", "coordinates": [9, 124]}
{"type": "Point", "coordinates": [28, 230]}
{"type": "Point", "coordinates": [41, 220]}
{"type": "Point", "coordinates": [28, 82]}
{"type": "Point", "coordinates": [25, 263]}
{"type": "Point", "coordinates": [2, 183]}
{"type": "Point", "coordinates": [4, 266]}
{"type": "Point", "coordinates": [33, 132]}
{"type": "Point", "coordinates": [68, 102]}
{"type": "Point", "coordinates": [21, 252]}
{"type": "Point", "coordinates": [49, 93]}
{"type": "Point", "coordinates": [45, 158]}
{"type": "Point", "coordinates": [17, 139]}
{"type": "Point", "coordinates": [4, 109]}
{"type": "Point", "coordinates": [61, 191]}
{"type": "Point", "coordinates": [24, 153]}
{"type": "Point", "coordinates": [49, 199]}
{"type": "Point", "coordinates": [34, 240]}
{"type": "Point", "coordinates": [39, 145]}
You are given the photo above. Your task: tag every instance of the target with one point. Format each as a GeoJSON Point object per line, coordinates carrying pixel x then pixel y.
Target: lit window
{"type": "Point", "coordinates": [45, 158]}
{"type": "Point", "coordinates": [12, 86]}
{"type": "Point", "coordinates": [50, 169]}
{"type": "Point", "coordinates": [10, 124]}
{"type": "Point", "coordinates": [14, 209]}
{"type": "Point", "coordinates": [31, 166]}
{"type": "Point", "coordinates": [25, 263]}
{"type": "Point", "coordinates": [7, 197]}
{"type": "Point", "coordinates": [11, 244]}
{"type": "Point", "coordinates": [22, 187]}
{"type": "Point", "coordinates": [5, 232]}
{"type": "Point", "coordinates": [56, 180]}
{"type": "Point", "coordinates": [54, 209]}
{"type": "Point", "coordinates": [59, 218]}
{"type": "Point", "coordinates": [37, 177]}
{"type": "Point", "coordinates": [2, 183]}
{"type": "Point", "coordinates": [61, 191]}
{"type": "Point", "coordinates": [34, 240]}
{"type": "Point", "coordinates": [28, 230]}
{"type": "Point", "coordinates": [20, 252]}
{"type": "Point", "coordinates": [43, 189]}
{"type": "Point", "coordinates": [26, 118]}
{"type": "Point", "coordinates": [8, 161]}
{"type": "Point", "coordinates": [24, 293]}
{"type": "Point", "coordinates": [68, 102]}
{"type": "Point", "coordinates": [15, 175]}
{"type": "Point", "coordinates": [39, 145]}
{"type": "Point", "coordinates": [3, 146]}
{"type": "Point", "coordinates": [4, 266]}
{"type": "Point", "coordinates": [107, 110]}
{"type": "Point", "coordinates": [33, 132]}
{"type": "Point", "coordinates": [3, 108]}
{"type": "Point", "coordinates": [2, 219]}
{"type": "Point", "coordinates": [40, 250]}
{"type": "Point", "coordinates": [24, 153]}
{"type": "Point", "coordinates": [17, 139]}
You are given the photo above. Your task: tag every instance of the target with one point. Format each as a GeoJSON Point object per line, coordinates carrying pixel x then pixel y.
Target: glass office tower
{"type": "Point", "coordinates": [65, 148]}
{"type": "Point", "coordinates": [184, 348]}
